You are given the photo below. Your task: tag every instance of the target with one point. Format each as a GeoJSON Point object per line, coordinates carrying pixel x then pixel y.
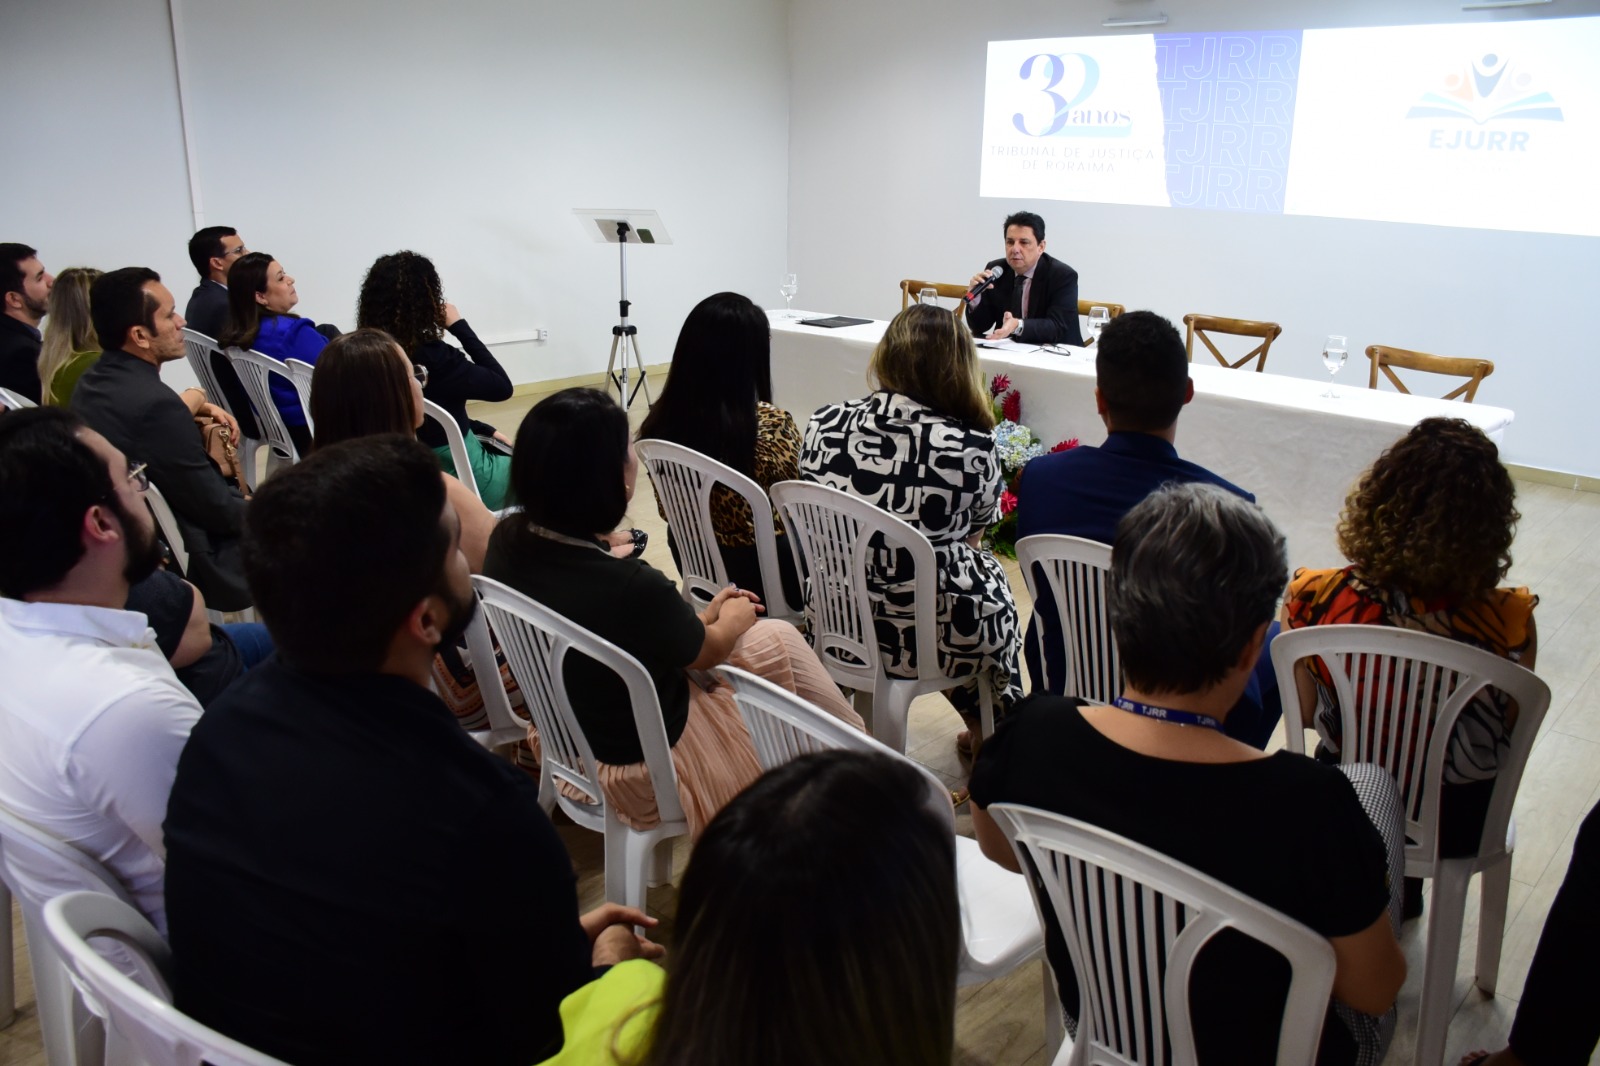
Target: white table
{"type": "Point", "coordinates": [1272, 435]}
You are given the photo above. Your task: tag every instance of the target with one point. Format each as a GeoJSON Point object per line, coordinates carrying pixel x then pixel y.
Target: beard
{"type": "Point", "coordinates": [462, 611]}
{"type": "Point", "coordinates": [145, 552]}
{"type": "Point", "coordinates": [36, 308]}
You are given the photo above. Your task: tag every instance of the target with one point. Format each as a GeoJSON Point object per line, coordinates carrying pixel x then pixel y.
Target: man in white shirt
{"type": "Point", "coordinates": [92, 718]}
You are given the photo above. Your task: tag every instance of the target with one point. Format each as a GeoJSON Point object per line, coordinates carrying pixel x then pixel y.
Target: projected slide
{"type": "Point", "coordinates": [1494, 126]}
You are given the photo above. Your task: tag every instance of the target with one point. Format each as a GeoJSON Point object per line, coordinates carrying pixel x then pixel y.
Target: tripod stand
{"type": "Point", "coordinates": [625, 337]}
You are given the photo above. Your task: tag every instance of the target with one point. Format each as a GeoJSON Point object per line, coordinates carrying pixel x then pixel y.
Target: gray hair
{"type": "Point", "coordinates": [1194, 571]}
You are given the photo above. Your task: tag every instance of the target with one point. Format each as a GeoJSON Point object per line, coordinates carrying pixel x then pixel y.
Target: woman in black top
{"type": "Point", "coordinates": [402, 296]}
{"type": "Point", "coordinates": [1196, 574]}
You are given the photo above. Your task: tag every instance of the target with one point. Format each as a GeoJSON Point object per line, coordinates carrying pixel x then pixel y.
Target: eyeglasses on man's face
{"type": "Point", "coordinates": [420, 372]}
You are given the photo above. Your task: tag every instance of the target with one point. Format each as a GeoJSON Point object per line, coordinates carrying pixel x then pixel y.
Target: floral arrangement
{"type": "Point", "coordinates": [1015, 444]}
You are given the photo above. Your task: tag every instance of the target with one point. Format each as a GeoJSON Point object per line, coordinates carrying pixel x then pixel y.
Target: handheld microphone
{"type": "Point", "coordinates": [977, 290]}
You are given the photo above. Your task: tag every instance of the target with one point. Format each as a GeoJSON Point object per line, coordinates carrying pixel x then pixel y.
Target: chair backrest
{"type": "Point", "coordinates": [197, 349]}
{"type": "Point", "coordinates": [536, 641]}
{"type": "Point", "coordinates": [684, 480]}
{"type": "Point", "coordinates": [300, 375]}
{"type": "Point", "coordinates": [458, 444]}
{"type": "Point", "coordinates": [911, 289]}
{"type": "Point", "coordinates": [1384, 358]}
{"type": "Point", "coordinates": [838, 538]}
{"type": "Point", "coordinates": [254, 370]}
{"type": "Point", "coordinates": [504, 726]}
{"type": "Point", "coordinates": [167, 526]}
{"type": "Point", "coordinates": [1201, 325]}
{"type": "Point", "coordinates": [1134, 922]}
{"type": "Point", "coordinates": [1075, 571]}
{"type": "Point", "coordinates": [1398, 695]}
{"type": "Point", "coordinates": [1085, 306]}
{"type": "Point", "coordinates": [139, 1014]}
{"type": "Point", "coordinates": [14, 401]}
{"type": "Point", "coordinates": [783, 726]}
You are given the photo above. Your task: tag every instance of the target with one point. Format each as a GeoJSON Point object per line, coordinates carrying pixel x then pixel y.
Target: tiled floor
{"type": "Point", "coordinates": [1002, 1022]}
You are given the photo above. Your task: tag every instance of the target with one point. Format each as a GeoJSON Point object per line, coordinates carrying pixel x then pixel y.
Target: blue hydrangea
{"type": "Point", "coordinates": [1016, 444]}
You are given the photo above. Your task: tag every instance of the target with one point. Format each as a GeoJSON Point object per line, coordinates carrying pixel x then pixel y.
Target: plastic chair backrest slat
{"type": "Point", "coordinates": [254, 370]}
{"type": "Point", "coordinates": [14, 401]}
{"type": "Point", "coordinates": [300, 376]}
{"type": "Point", "coordinates": [1075, 572]}
{"type": "Point", "coordinates": [167, 526]}
{"type": "Point", "coordinates": [197, 349]}
{"type": "Point", "coordinates": [458, 444]}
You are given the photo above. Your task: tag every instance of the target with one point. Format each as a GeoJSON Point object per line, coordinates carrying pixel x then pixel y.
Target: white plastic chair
{"type": "Point", "coordinates": [254, 370]}
{"type": "Point", "coordinates": [1133, 996]}
{"type": "Point", "coordinates": [141, 1022]}
{"type": "Point", "coordinates": [14, 401]}
{"type": "Point", "coordinates": [197, 349]}
{"type": "Point", "coordinates": [1388, 684]}
{"type": "Point", "coordinates": [1075, 571]}
{"type": "Point", "coordinates": [832, 534]}
{"type": "Point", "coordinates": [503, 725]}
{"type": "Point", "coordinates": [536, 641]}
{"type": "Point", "coordinates": [684, 479]}
{"type": "Point", "coordinates": [36, 867]}
{"type": "Point", "coordinates": [458, 444]}
{"type": "Point", "coordinates": [1000, 930]}
{"type": "Point", "coordinates": [167, 526]}
{"type": "Point", "coordinates": [300, 375]}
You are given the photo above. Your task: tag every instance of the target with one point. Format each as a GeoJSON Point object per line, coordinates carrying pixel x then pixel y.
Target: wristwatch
{"type": "Point", "coordinates": [1018, 331]}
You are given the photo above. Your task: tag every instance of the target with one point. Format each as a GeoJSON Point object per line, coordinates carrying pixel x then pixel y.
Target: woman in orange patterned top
{"type": "Point", "coordinates": [1428, 533]}
{"type": "Point", "coordinates": [718, 401]}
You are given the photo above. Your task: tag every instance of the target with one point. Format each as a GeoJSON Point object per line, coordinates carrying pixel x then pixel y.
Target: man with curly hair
{"type": "Point", "coordinates": [1141, 385]}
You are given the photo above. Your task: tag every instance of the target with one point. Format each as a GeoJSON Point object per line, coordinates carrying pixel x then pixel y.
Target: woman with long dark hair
{"type": "Point", "coordinates": [402, 296]}
{"type": "Point", "coordinates": [718, 401]}
{"type": "Point", "coordinates": [261, 299]}
{"type": "Point", "coordinates": [574, 472]}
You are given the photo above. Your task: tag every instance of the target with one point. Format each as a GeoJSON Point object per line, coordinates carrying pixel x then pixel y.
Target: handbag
{"type": "Point", "coordinates": [217, 438]}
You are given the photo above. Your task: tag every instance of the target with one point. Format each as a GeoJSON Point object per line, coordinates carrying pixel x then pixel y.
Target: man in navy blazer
{"type": "Point", "coordinates": [1141, 384]}
{"type": "Point", "coordinates": [1035, 299]}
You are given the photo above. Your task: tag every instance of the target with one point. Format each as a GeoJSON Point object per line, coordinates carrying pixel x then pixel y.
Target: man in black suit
{"type": "Point", "coordinates": [1035, 299]}
{"type": "Point", "coordinates": [24, 288]}
{"type": "Point", "coordinates": [213, 251]}
{"type": "Point", "coordinates": [122, 398]}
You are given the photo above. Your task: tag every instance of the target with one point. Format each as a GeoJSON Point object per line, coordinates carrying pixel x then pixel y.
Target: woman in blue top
{"type": "Point", "coordinates": [260, 297]}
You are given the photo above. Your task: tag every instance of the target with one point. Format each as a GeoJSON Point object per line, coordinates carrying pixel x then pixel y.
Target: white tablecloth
{"type": "Point", "coordinates": [1272, 435]}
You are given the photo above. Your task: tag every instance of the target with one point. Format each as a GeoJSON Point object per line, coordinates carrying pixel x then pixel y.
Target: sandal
{"type": "Point", "coordinates": [958, 796]}
{"type": "Point", "coordinates": [640, 539]}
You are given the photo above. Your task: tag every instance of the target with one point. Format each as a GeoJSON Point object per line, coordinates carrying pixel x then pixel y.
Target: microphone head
{"type": "Point", "coordinates": [995, 272]}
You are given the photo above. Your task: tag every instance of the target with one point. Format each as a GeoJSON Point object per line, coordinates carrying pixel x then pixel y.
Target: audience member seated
{"type": "Point", "coordinates": [574, 471]}
{"type": "Point", "coordinates": [91, 717]}
{"type": "Point", "coordinates": [122, 397]}
{"type": "Point", "coordinates": [24, 295]}
{"type": "Point", "coordinates": [260, 296]}
{"type": "Point", "coordinates": [365, 385]}
{"type": "Point", "coordinates": [922, 448]}
{"type": "Point", "coordinates": [1141, 386]}
{"type": "Point", "coordinates": [213, 251]}
{"type": "Point", "coordinates": [1196, 574]}
{"type": "Point", "coordinates": [842, 847]}
{"type": "Point", "coordinates": [335, 839]}
{"type": "Point", "coordinates": [1556, 1023]}
{"type": "Point", "coordinates": [1428, 533]}
{"type": "Point", "coordinates": [402, 296]}
{"type": "Point", "coordinates": [70, 344]}
{"type": "Point", "coordinates": [207, 657]}
{"type": "Point", "coordinates": [718, 401]}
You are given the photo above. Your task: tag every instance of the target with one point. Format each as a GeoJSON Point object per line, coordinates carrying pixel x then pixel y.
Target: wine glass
{"type": "Point", "coordinates": [1098, 317]}
{"type": "Point", "coordinates": [1334, 351]}
{"type": "Point", "coordinates": [790, 286]}
{"type": "Point", "coordinates": [929, 295]}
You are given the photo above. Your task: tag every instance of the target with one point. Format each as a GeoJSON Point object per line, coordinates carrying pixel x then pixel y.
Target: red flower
{"type": "Point", "coordinates": [1066, 445]}
{"type": "Point", "coordinates": [998, 384]}
{"type": "Point", "coordinates": [1008, 502]}
{"type": "Point", "coordinates": [1011, 406]}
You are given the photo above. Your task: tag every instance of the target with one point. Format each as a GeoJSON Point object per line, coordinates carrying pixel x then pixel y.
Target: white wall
{"type": "Point", "coordinates": [330, 132]}
{"type": "Point", "coordinates": [886, 116]}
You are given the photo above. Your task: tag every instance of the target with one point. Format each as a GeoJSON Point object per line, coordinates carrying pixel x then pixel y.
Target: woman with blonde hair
{"type": "Point", "coordinates": [930, 430]}
{"type": "Point", "coordinates": [70, 344]}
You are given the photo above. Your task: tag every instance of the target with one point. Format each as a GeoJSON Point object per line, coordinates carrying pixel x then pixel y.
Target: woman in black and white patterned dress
{"type": "Point", "coordinates": [922, 448]}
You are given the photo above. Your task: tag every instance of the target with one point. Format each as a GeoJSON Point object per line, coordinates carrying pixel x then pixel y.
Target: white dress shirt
{"type": "Point", "coordinates": [92, 720]}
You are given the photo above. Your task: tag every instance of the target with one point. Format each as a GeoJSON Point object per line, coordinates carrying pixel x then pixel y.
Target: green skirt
{"type": "Point", "coordinates": [491, 470]}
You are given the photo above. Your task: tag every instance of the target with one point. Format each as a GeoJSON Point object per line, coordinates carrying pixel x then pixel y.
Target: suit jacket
{"type": "Point", "coordinates": [19, 357]}
{"type": "Point", "coordinates": [208, 309]}
{"type": "Point", "coordinates": [124, 399]}
{"type": "Point", "coordinates": [1052, 303]}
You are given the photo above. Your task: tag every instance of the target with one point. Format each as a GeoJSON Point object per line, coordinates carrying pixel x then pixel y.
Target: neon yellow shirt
{"type": "Point", "coordinates": [608, 1022]}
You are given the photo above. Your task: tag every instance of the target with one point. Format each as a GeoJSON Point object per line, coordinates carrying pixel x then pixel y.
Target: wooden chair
{"type": "Point", "coordinates": [910, 288]}
{"type": "Point", "coordinates": [1233, 327]}
{"type": "Point", "coordinates": [1385, 358]}
{"type": "Point", "coordinates": [1085, 305]}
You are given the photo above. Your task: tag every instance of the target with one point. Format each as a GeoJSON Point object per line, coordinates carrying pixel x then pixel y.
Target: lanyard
{"type": "Point", "coordinates": [562, 538]}
{"type": "Point", "coordinates": [1166, 714]}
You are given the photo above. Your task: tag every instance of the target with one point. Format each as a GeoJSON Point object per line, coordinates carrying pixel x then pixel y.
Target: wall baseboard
{"type": "Point", "coordinates": [1580, 482]}
{"type": "Point", "coordinates": [657, 373]}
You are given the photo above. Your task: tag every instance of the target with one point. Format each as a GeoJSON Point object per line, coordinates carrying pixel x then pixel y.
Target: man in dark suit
{"type": "Point", "coordinates": [1141, 384]}
{"type": "Point", "coordinates": [24, 288]}
{"type": "Point", "coordinates": [213, 251]}
{"type": "Point", "coordinates": [122, 397]}
{"type": "Point", "coordinates": [1035, 299]}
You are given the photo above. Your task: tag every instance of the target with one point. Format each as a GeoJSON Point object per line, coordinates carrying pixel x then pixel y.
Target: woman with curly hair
{"type": "Point", "coordinates": [1428, 534]}
{"type": "Point", "coordinates": [402, 296]}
